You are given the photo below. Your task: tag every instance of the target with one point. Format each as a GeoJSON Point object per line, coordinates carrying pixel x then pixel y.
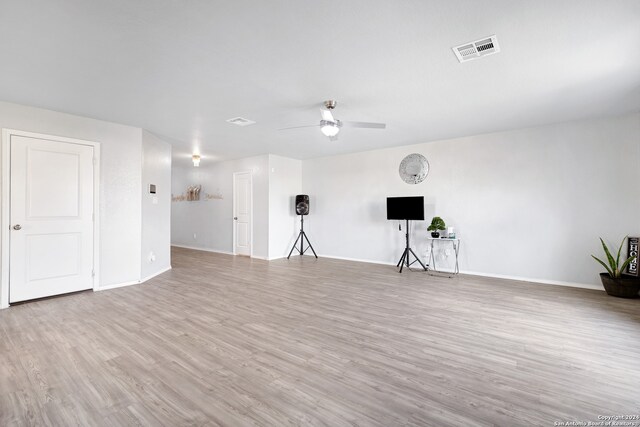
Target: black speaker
{"type": "Point", "coordinates": [302, 204]}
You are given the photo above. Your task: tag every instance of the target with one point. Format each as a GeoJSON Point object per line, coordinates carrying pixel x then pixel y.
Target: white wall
{"type": "Point", "coordinates": [120, 179]}
{"type": "Point", "coordinates": [285, 181]}
{"type": "Point", "coordinates": [528, 203]}
{"type": "Point", "coordinates": [212, 220]}
{"type": "Point", "coordinates": [156, 208]}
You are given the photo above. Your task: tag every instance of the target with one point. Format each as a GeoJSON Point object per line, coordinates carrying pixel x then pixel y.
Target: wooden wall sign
{"type": "Point", "coordinates": [633, 243]}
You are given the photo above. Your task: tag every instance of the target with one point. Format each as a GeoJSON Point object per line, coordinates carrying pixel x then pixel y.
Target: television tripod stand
{"type": "Point", "coordinates": [404, 259]}
{"type": "Point", "coordinates": [302, 236]}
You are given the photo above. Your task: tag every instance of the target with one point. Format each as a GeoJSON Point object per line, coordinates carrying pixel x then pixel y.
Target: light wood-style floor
{"type": "Point", "coordinates": [232, 341]}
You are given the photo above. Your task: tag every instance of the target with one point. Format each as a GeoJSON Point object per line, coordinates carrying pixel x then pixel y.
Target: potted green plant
{"type": "Point", "coordinates": [615, 283]}
{"type": "Point", "coordinates": [437, 224]}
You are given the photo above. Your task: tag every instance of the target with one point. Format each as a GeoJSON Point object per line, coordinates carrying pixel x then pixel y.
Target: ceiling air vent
{"type": "Point", "coordinates": [240, 121]}
{"type": "Point", "coordinates": [477, 49]}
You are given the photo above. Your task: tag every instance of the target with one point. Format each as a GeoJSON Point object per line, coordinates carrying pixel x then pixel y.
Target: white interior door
{"type": "Point", "coordinates": [51, 214]}
{"type": "Point", "coordinates": [242, 212]}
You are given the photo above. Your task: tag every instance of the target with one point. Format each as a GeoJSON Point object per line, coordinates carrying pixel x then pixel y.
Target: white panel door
{"type": "Point", "coordinates": [242, 213]}
{"type": "Point", "coordinates": [51, 211]}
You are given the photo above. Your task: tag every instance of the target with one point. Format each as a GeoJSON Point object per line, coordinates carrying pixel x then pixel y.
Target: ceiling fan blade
{"type": "Point", "coordinates": [326, 115]}
{"type": "Point", "coordinates": [298, 127]}
{"type": "Point", "coordinates": [367, 125]}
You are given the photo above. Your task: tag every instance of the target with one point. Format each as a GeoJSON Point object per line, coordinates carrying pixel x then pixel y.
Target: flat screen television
{"type": "Point", "coordinates": [405, 208]}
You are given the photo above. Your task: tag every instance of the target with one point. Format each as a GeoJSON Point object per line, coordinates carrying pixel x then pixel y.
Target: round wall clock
{"type": "Point", "coordinates": [414, 168]}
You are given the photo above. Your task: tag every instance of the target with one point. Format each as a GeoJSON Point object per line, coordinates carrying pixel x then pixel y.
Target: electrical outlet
{"type": "Point", "coordinates": [152, 257]}
{"type": "Point", "coordinates": [194, 236]}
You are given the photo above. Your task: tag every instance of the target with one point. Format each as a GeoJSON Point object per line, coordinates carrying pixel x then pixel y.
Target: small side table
{"type": "Point", "coordinates": [432, 257]}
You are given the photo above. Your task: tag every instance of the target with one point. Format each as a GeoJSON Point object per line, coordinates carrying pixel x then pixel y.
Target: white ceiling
{"type": "Point", "coordinates": [181, 68]}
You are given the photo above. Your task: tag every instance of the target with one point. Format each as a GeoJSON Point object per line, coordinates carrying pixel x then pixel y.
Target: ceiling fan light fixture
{"type": "Point", "coordinates": [329, 128]}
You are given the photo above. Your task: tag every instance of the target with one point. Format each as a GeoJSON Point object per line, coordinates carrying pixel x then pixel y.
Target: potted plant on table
{"type": "Point", "coordinates": [615, 283]}
{"type": "Point", "coordinates": [437, 224]}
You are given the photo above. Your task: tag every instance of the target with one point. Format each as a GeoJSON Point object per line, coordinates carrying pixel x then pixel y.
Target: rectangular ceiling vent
{"type": "Point", "coordinates": [477, 49]}
{"type": "Point", "coordinates": [240, 121]}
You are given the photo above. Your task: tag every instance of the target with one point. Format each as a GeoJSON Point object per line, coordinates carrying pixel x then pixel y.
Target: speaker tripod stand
{"type": "Point", "coordinates": [302, 236]}
{"type": "Point", "coordinates": [404, 259]}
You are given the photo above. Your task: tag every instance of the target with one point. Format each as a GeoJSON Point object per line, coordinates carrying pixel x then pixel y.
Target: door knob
{"type": "Point", "coordinates": [17, 227]}
{"type": "Point", "coordinates": [235, 218]}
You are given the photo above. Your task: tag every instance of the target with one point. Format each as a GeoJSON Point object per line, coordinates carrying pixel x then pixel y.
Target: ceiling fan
{"type": "Point", "coordinates": [330, 126]}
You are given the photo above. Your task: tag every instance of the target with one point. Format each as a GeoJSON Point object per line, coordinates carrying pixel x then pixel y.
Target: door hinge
{"type": "Point", "coordinates": [93, 273]}
{"type": "Point", "coordinates": [94, 161]}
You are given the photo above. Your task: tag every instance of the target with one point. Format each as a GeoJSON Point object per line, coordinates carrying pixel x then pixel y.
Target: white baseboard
{"type": "Point", "coordinates": [542, 281]}
{"type": "Point", "coordinates": [269, 258]}
{"type": "Point", "coordinates": [132, 282]}
{"type": "Point", "coordinates": [155, 274]}
{"type": "Point", "coordinates": [117, 285]}
{"type": "Point", "coordinates": [495, 276]}
{"type": "Point", "coordinates": [368, 261]}
{"type": "Point", "coordinates": [198, 248]}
